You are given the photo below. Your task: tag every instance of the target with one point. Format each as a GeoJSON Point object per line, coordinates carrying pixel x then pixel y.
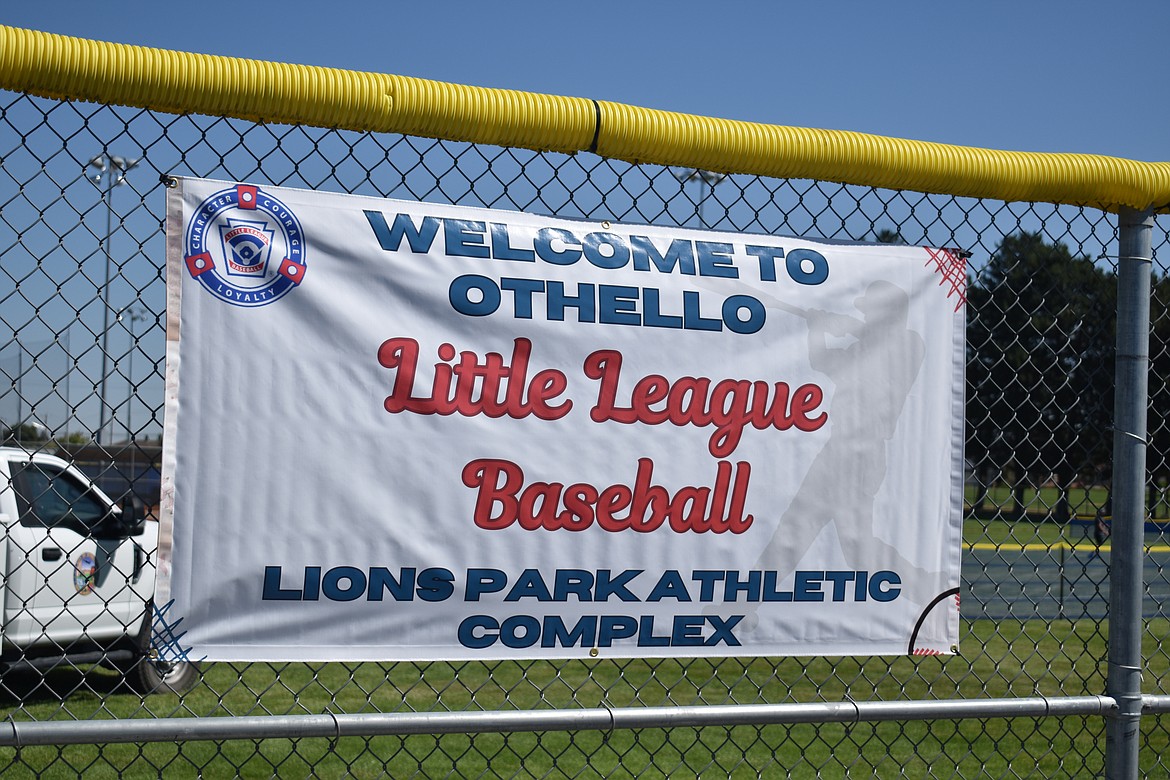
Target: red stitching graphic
{"type": "Point", "coordinates": [952, 266]}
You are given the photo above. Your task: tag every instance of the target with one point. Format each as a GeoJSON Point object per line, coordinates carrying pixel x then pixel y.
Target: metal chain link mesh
{"type": "Point", "coordinates": [82, 326]}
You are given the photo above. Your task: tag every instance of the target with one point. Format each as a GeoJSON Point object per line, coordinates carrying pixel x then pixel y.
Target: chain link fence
{"type": "Point", "coordinates": [82, 324]}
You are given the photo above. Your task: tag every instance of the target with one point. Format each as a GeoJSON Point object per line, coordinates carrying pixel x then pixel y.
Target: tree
{"type": "Point", "coordinates": [1158, 423]}
{"type": "Point", "coordinates": [24, 433]}
{"type": "Point", "coordinates": [887, 236]}
{"type": "Point", "coordinates": [1040, 340]}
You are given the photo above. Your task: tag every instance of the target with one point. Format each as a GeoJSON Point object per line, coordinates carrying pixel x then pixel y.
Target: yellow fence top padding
{"type": "Point", "coordinates": [69, 68]}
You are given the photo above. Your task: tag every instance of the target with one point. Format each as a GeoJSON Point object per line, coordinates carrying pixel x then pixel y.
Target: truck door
{"type": "Point", "coordinates": [65, 580]}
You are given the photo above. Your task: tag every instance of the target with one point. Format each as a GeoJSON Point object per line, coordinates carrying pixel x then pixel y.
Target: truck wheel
{"type": "Point", "coordinates": [151, 675]}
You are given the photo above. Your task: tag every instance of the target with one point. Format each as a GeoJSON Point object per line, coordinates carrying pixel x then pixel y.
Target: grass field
{"type": "Point", "coordinates": [1014, 534]}
{"type": "Point", "coordinates": [1083, 501]}
{"type": "Point", "coordinates": [997, 659]}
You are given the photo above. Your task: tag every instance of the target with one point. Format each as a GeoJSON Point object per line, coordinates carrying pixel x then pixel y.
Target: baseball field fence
{"type": "Point", "coordinates": [1063, 668]}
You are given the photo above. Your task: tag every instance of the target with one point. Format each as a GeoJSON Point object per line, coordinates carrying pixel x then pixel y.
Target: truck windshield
{"type": "Point", "coordinates": [49, 497]}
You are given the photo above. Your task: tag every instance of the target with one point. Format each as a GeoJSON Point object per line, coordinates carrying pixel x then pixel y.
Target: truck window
{"type": "Point", "coordinates": [48, 497]}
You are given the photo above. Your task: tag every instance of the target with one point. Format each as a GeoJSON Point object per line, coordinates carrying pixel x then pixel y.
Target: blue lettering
{"type": "Point", "coordinates": [839, 579]}
{"type": "Point", "coordinates": [756, 314]}
{"type": "Point", "coordinates": [652, 317]}
{"type": "Point", "coordinates": [808, 586]}
{"type": "Point", "coordinates": [883, 586]}
{"type": "Point", "coordinates": [688, 631]}
{"type": "Point", "coordinates": [646, 636]}
{"type": "Point", "coordinates": [545, 250]}
{"type": "Point", "coordinates": [584, 633]}
{"type": "Point", "coordinates": [573, 581]}
{"type": "Point", "coordinates": [715, 259]}
{"type": "Point", "coordinates": [721, 630]}
{"type": "Point", "coordinates": [680, 256]}
{"type": "Point", "coordinates": [481, 581]}
{"type": "Point", "coordinates": [619, 253]}
{"type": "Point", "coordinates": [670, 586]}
{"type": "Point", "coordinates": [522, 290]}
{"type": "Point", "coordinates": [692, 318]}
{"type": "Point", "coordinates": [770, 593]}
{"type": "Point", "coordinates": [733, 586]}
{"type": "Point", "coordinates": [816, 273]}
{"type": "Point", "coordinates": [615, 627]}
{"type": "Point", "coordinates": [468, 636]}
{"type": "Point", "coordinates": [618, 305]}
{"type": "Point", "coordinates": [529, 585]}
{"type": "Point", "coordinates": [460, 298]}
{"type": "Point", "coordinates": [312, 583]}
{"type": "Point", "coordinates": [331, 585]}
{"type": "Point", "coordinates": [707, 580]}
{"type": "Point", "coordinates": [558, 301]}
{"type": "Point", "coordinates": [272, 589]}
{"type": "Point", "coordinates": [390, 239]}
{"type": "Point", "coordinates": [381, 580]}
{"type": "Point", "coordinates": [465, 238]}
{"type": "Point", "coordinates": [502, 248]}
{"type": "Point", "coordinates": [436, 584]}
{"type": "Point", "coordinates": [767, 255]}
{"type": "Point", "coordinates": [607, 587]}
{"type": "Point", "coordinates": [520, 631]}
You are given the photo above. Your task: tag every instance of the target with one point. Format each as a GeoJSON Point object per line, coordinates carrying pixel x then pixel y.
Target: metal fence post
{"type": "Point", "coordinates": [1124, 682]}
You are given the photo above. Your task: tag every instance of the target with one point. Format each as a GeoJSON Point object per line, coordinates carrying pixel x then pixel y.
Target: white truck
{"type": "Point", "coordinates": [78, 575]}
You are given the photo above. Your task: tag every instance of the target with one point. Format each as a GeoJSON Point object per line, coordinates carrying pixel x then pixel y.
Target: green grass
{"type": "Point", "coordinates": [1044, 534]}
{"type": "Point", "coordinates": [1021, 532]}
{"type": "Point", "coordinates": [997, 660]}
{"type": "Point", "coordinates": [1000, 498]}
{"type": "Point", "coordinates": [1006, 659]}
{"type": "Point", "coordinates": [1083, 501]}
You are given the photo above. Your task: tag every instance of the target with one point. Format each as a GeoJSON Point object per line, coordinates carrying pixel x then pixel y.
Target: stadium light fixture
{"type": "Point", "coordinates": [108, 171]}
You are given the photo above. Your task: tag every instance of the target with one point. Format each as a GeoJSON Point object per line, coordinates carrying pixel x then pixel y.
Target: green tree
{"type": "Point", "coordinates": [24, 433]}
{"type": "Point", "coordinates": [1158, 423]}
{"type": "Point", "coordinates": [1040, 340]}
{"type": "Point", "coordinates": [887, 236]}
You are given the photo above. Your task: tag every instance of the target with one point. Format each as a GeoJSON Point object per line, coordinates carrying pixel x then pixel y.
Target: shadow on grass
{"type": "Point", "coordinates": [20, 688]}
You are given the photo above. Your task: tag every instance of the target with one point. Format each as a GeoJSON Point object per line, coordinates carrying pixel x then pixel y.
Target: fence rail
{"type": "Point", "coordinates": [595, 719]}
{"type": "Point", "coordinates": [1063, 257]}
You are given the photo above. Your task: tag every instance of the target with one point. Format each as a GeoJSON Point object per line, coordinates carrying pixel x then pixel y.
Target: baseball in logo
{"type": "Point", "coordinates": [245, 247]}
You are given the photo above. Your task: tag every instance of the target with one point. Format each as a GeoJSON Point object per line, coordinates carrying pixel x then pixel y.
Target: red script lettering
{"type": "Point", "coordinates": [730, 404]}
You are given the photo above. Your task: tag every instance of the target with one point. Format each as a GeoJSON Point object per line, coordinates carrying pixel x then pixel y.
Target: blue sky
{"type": "Point", "coordinates": [1034, 76]}
{"type": "Point", "coordinates": [1048, 77]}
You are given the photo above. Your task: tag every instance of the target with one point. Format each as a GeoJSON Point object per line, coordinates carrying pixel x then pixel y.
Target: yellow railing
{"type": "Point", "coordinates": [176, 82]}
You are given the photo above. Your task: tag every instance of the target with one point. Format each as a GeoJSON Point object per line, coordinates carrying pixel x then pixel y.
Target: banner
{"type": "Point", "coordinates": [410, 431]}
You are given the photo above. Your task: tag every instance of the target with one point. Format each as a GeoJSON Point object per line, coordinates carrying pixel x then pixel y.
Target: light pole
{"type": "Point", "coordinates": [707, 181]}
{"type": "Point", "coordinates": [136, 315]}
{"type": "Point", "coordinates": [111, 170]}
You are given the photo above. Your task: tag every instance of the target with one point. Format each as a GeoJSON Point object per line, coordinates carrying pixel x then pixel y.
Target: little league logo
{"type": "Point", "coordinates": [249, 245]}
{"type": "Point", "coordinates": [84, 573]}
{"type": "Point", "coordinates": [245, 247]}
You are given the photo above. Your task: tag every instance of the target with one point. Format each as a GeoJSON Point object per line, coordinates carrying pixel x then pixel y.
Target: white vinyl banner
{"type": "Point", "coordinates": [410, 431]}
